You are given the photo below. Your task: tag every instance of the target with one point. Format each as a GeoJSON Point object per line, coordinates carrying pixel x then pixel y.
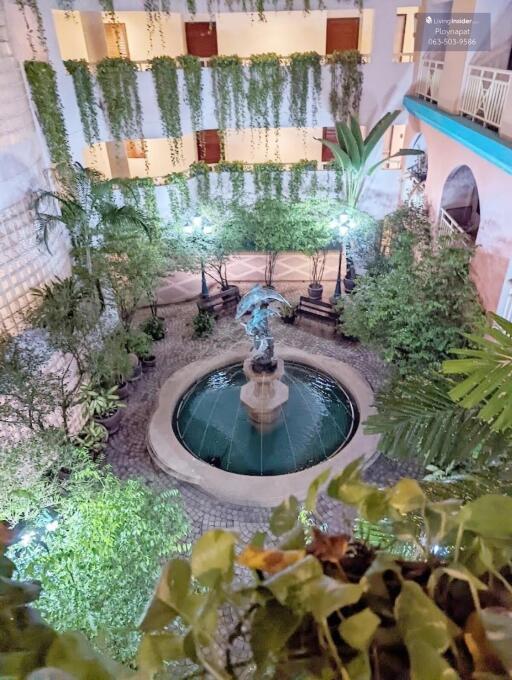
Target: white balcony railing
{"type": "Point", "coordinates": [485, 93]}
{"type": "Point", "coordinates": [448, 226]}
{"type": "Point", "coordinates": [429, 77]}
{"type": "Point", "coordinates": [403, 57]}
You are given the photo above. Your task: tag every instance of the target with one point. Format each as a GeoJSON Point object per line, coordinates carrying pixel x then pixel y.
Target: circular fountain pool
{"type": "Point", "coordinates": [318, 419]}
{"type": "Point", "coordinates": [200, 433]}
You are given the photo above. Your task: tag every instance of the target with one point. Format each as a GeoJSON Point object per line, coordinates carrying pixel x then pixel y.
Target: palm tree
{"type": "Point", "coordinates": [352, 153]}
{"type": "Point", "coordinates": [446, 419]}
{"type": "Point", "coordinates": [85, 206]}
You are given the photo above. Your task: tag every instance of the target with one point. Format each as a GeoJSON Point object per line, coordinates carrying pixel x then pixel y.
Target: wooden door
{"type": "Point", "coordinates": [329, 133]}
{"type": "Point", "coordinates": [201, 38]}
{"type": "Point", "coordinates": [342, 34]}
{"type": "Point", "coordinates": [208, 146]}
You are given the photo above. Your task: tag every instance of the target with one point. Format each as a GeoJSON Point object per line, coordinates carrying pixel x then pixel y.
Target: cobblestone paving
{"type": "Point", "coordinates": [127, 449]}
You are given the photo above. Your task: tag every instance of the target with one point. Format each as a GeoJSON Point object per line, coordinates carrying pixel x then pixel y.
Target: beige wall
{"type": "Point", "coordinates": [293, 145]}
{"type": "Point", "coordinates": [167, 38]}
{"type": "Point", "coordinates": [70, 34]}
{"type": "Point", "coordinates": [409, 35]}
{"type": "Point", "coordinates": [282, 32]}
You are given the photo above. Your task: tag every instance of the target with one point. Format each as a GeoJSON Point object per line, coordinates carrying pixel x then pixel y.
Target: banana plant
{"type": "Point", "coordinates": [352, 153]}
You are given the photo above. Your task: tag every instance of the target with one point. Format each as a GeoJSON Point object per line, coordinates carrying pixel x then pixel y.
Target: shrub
{"type": "Point", "coordinates": [414, 307]}
{"type": "Point", "coordinates": [98, 565]}
{"type": "Point", "coordinates": [154, 327]}
{"type": "Point", "coordinates": [203, 324]}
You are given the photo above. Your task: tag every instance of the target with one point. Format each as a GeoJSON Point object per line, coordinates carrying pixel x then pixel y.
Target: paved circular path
{"type": "Point", "coordinates": [126, 450]}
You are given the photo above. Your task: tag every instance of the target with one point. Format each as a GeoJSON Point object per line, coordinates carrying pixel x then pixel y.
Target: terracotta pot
{"type": "Point", "coordinates": [289, 319]}
{"type": "Point", "coordinates": [349, 285]}
{"type": "Point", "coordinates": [148, 362]}
{"type": "Point", "coordinates": [111, 422]}
{"type": "Point", "coordinates": [123, 390]}
{"type": "Point", "coordinates": [315, 291]}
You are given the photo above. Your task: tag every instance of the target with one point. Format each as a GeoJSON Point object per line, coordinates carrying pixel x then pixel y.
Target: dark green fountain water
{"type": "Point", "coordinates": [319, 418]}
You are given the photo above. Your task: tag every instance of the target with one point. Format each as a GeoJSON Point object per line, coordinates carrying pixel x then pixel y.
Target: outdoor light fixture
{"type": "Point", "coordinates": [51, 526]}
{"type": "Point", "coordinates": [27, 538]}
{"type": "Point", "coordinates": [343, 223]}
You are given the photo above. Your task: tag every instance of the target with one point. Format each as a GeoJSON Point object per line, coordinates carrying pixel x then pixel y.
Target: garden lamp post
{"type": "Point", "coordinates": [342, 224]}
{"type": "Point", "coordinates": [205, 229]}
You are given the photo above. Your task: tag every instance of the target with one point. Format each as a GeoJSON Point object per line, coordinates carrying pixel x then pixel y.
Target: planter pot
{"type": "Point", "coordinates": [148, 362]}
{"type": "Point", "coordinates": [290, 320]}
{"type": "Point", "coordinates": [349, 285]}
{"type": "Point", "coordinates": [315, 291]}
{"type": "Point", "coordinates": [123, 390]}
{"type": "Point", "coordinates": [136, 367]}
{"type": "Point", "coordinates": [111, 422]}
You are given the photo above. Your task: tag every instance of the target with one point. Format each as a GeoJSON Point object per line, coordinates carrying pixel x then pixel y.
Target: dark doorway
{"type": "Point", "coordinates": [342, 34]}
{"type": "Point", "coordinates": [201, 38]}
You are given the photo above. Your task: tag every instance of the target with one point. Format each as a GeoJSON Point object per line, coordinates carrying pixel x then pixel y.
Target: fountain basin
{"type": "Point", "coordinates": [200, 427]}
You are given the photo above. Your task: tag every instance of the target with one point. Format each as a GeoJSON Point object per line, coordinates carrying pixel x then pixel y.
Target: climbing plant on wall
{"type": "Point", "coordinates": [165, 78]}
{"type": "Point", "coordinates": [201, 171]}
{"type": "Point", "coordinates": [298, 174]}
{"type": "Point", "coordinates": [117, 79]}
{"type": "Point", "coordinates": [192, 74]}
{"type": "Point", "coordinates": [78, 69]}
{"type": "Point", "coordinates": [236, 173]}
{"type": "Point", "coordinates": [266, 88]}
{"type": "Point", "coordinates": [268, 179]}
{"type": "Point", "coordinates": [305, 86]}
{"type": "Point", "coordinates": [179, 194]}
{"type": "Point", "coordinates": [43, 87]}
{"type": "Point", "coordinates": [228, 91]}
{"type": "Point", "coordinates": [36, 38]}
{"type": "Point", "coordinates": [346, 84]}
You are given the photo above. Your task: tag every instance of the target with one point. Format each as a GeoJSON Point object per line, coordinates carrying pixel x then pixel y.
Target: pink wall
{"type": "Point", "coordinates": [494, 240]}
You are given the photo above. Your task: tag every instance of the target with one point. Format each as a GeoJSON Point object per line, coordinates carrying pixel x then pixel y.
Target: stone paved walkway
{"type": "Point", "coordinates": [127, 449]}
{"type": "Point", "coordinates": [249, 267]}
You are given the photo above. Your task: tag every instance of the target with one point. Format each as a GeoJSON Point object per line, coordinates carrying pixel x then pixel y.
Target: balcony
{"type": "Point", "coordinates": [429, 77]}
{"type": "Point", "coordinates": [448, 226]}
{"type": "Point", "coordinates": [484, 95]}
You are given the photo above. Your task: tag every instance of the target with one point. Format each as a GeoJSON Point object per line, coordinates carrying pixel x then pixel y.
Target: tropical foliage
{"type": "Point", "coordinates": [165, 78]}
{"type": "Point", "coordinates": [414, 306]}
{"type": "Point", "coordinates": [117, 78]}
{"type": "Point", "coordinates": [352, 153]}
{"type": "Point", "coordinates": [97, 562]}
{"type": "Point", "coordinates": [317, 604]}
{"type": "Point", "coordinates": [346, 84]}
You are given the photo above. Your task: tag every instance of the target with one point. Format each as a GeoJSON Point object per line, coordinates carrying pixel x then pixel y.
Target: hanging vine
{"type": "Point", "coordinates": [346, 84]}
{"type": "Point", "coordinates": [201, 171]}
{"type": "Point", "coordinates": [268, 179]}
{"type": "Point", "coordinates": [305, 86]}
{"type": "Point", "coordinates": [117, 78]}
{"type": "Point", "coordinates": [43, 88]}
{"type": "Point", "coordinates": [83, 83]}
{"type": "Point", "coordinates": [38, 34]}
{"type": "Point", "coordinates": [228, 83]}
{"type": "Point", "coordinates": [165, 78]}
{"type": "Point", "coordinates": [298, 173]}
{"type": "Point", "coordinates": [265, 93]}
{"type": "Point", "coordinates": [236, 172]}
{"type": "Point", "coordinates": [179, 194]}
{"type": "Point", "coordinates": [192, 73]}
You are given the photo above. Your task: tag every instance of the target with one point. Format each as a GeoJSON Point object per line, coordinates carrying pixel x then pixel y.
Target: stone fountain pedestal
{"type": "Point", "coordinates": [264, 394]}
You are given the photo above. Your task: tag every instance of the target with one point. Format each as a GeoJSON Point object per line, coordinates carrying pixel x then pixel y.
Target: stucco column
{"type": "Point", "coordinates": [118, 159]}
{"type": "Point", "coordinates": [452, 78]}
{"type": "Point", "coordinates": [506, 120]}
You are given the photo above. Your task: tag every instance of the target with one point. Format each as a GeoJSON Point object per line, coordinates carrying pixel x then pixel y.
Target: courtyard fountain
{"type": "Point", "coordinates": [253, 426]}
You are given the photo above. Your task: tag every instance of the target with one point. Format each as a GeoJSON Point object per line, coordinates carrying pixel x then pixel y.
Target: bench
{"type": "Point", "coordinates": [216, 304]}
{"type": "Point", "coordinates": [317, 310]}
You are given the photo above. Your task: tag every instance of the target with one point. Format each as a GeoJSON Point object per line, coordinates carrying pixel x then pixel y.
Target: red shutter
{"type": "Point", "coordinates": [201, 38]}
{"type": "Point", "coordinates": [330, 135]}
{"type": "Point", "coordinates": [208, 146]}
{"type": "Point", "coordinates": [342, 34]}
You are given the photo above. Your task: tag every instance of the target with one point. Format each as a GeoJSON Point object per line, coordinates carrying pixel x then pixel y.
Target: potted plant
{"type": "Point", "coordinates": [139, 343]}
{"type": "Point", "coordinates": [288, 313]}
{"type": "Point", "coordinates": [92, 437]}
{"type": "Point", "coordinates": [349, 282]}
{"type": "Point", "coordinates": [111, 366]}
{"type": "Point", "coordinates": [315, 288]}
{"type": "Point", "coordinates": [154, 327]}
{"type": "Point", "coordinates": [104, 406]}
